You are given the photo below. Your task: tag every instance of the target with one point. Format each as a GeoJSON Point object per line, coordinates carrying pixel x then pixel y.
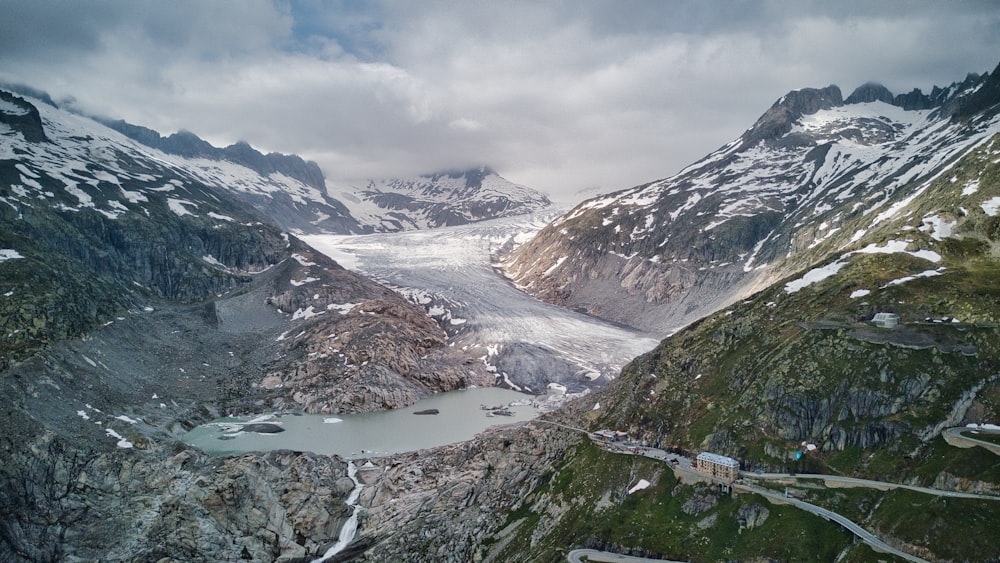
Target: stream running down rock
{"type": "Point", "coordinates": [350, 528]}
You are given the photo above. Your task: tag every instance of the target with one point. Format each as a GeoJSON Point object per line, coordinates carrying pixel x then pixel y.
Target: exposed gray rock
{"type": "Point", "coordinates": [751, 516]}
{"type": "Point", "coordinates": [534, 367]}
{"type": "Point", "coordinates": [262, 428]}
{"type": "Point", "coordinates": [777, 121]}
{"type": "Point", "coordinates": [702, 500]}
{"type": "Point", "coordinates": [440, 505]}
{"type": "Point", "coordinates": [948, 482]}
{"type": "Point", "coordinates": [707, 522]}
{"type": "Point", "coordinates": [870, 92]}
{"type": "Point", "coordinates": [24, 119]}
{"type": "Point", "coordinates": [67, 503]}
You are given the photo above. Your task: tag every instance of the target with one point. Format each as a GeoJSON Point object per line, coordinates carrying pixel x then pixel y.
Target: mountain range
{"type": "Point", "coordinates": [455, 197]}
{"type": "Point", "coordinates": [153, 283]}
{"type": "Point", "coordinates": [815, 175]}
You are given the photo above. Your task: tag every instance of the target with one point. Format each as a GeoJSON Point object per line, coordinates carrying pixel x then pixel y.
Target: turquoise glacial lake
{"type": "Point", "coordinates": [361, 435]}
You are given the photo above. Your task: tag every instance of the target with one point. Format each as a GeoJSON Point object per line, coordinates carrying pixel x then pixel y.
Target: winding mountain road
{"type": "Point", "coordinates": [577, 555]}
{"type": "Point", "coordinates": [863, 534]}
{"type": "Point", "coordinates": [683, 467]}
{"type": "Point", "coordinates": [957, 437]}
{"type": "Point", "coordinates": [855, 482]}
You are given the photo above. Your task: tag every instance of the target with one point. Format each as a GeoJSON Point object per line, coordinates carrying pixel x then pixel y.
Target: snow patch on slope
{"type": "Point", "coordinates": [817, 275]}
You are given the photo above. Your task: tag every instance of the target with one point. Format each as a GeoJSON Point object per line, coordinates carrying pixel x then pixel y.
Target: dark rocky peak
{"type": "Point", "coordinates": [144, 135]}
{"type": "Point", "coordinates": [955, 100]}
{"type": "Point", "coordinates": [242, 149]}
{"type": "Point", "coordinates": [474, 177]}
{"type": "Point", "coordinates": [914, 100]}
{"type": "Point", "coordinates": [975, 95]}
{"type": "Point", "coordinates": [778, 120]}
{"type": "Point", "coordinates": [20, 115]}
{"type": "Point", "coordinates": [189, 145]}
{"type": "Point", "coordinates": [182, 143]}
{"type": "Point", "coordinates": [870, 92]}
{"type": "Point", "coordinates": [289, 164]}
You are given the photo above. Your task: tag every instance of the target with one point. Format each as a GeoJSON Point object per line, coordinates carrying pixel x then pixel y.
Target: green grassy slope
{"type": "Point", "coordinates": [786, 372]}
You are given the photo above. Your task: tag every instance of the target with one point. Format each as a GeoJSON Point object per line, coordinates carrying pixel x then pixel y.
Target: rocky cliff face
{"type": "Point", "coordinates": [812, 175]}
{"type": "Point", "coordinates": [438, 200]}
{"type": "Point", "coordinates": [20, 116]}
{"type": "Point", "coordinates": [358, 346]}
{"type": "Point", "coordinates": [777, 121]}
{"type": "Point", "coordinates": [72, 504]}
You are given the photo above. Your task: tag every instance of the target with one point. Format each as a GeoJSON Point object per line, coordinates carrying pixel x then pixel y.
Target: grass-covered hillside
{"type": "Point", "coordinates": [802, 362]}
{"type": "Point", "coordinates": [797, 378]}
{"type": "Point", "coordinates": [585, 502]}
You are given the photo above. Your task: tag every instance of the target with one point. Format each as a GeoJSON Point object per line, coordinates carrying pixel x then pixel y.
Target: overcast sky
{"type": "Point", "coordinates": [561, 96]}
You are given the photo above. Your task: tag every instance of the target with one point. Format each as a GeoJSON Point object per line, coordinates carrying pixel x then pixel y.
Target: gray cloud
{"type": "Point", "coordinates": [560, 96]}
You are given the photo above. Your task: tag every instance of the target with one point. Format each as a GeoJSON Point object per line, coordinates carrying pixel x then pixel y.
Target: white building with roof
{"type": "Point", "coordinates": [718, 466]}
{"type": "Point", "coordinates": [886, 320]}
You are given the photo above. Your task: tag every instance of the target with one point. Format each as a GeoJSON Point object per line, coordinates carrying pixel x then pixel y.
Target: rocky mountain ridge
{"type": "Point", "coordinates": [812, 175]}
{"type": "Point", "coordinates": [454, 197]}
{"type": "Point", "coordinates": [293, 192]}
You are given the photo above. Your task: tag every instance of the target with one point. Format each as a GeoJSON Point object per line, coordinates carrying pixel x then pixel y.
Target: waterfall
{"type": "Point", "coordinates": [350, 527]}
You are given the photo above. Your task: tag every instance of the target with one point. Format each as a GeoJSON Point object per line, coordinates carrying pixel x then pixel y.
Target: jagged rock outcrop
{"type": "Point", "coordinates": [379, 355]}
{"type": "Point", "coordinates": [187, 144]}
{"type": "Point", "coordinates": [65, 502]}
{"type": "Point", "coordinates": [442, 505]}
{"type": "Point", "coordinates": [752, 516]}
{"type": "Point", "coordinates": [703, 500]}
{"type": "Point", "coordinates": [982, 99]}
{"type": "Point", "coordinates": [357, 346]}
{"type": "Point", "coordinates": [22, 117]}
{"type": "Point", "coordinates": [948, 482]}
{"type": "Point", "coordinates": [777, 121]}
